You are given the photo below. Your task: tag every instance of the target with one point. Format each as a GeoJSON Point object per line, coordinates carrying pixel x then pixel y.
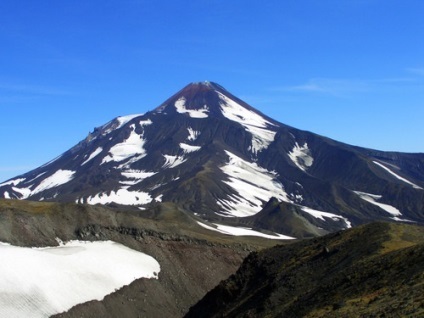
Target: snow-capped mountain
{"type": "Point", "coordinates": [228, 163]}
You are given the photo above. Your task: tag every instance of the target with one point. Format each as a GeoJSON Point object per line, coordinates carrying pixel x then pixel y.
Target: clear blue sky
{"type": "Point", "coordinates": [351, 70]}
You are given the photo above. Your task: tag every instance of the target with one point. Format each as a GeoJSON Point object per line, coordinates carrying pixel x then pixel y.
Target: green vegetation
{"type": "Point", "coordinates": [27, 206]}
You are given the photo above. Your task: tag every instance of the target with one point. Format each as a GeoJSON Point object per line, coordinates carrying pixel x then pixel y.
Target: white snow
{"type": "Point", "coordinates": [135, 176]}
{"type": "Point", "coordinates": [298, 198]}
{"type": "Point", "coordinates": [192, 134]}
{"type": "Point", "coordinates": [58, 178]}
{"type": "Point", "coordinates": [122, 120]}
{"type": "Point", "coordinates": [127, 164]}
{"type": "Point", "coordinates": [6, 195]}
{"type": "Point", "coordinates": [133, 145]}
{"type": "Point", "coordinates": [240, 114]}
{"type": "Point", "coordinates": [125, 119]}
{"type": "Point", "coordinates": [14, 182]}
{"type": "Point", "coordinates": [93, 154]}
{"type": "Point", "coordinates": [189, 148]}
{"type": "Point", "coordinates": [159, 198]}
{"type": "Point", "coordinates": [251, 121]}
{"type": "Point", "coordinates": [145, 122]}
{"type": "Point", "coordinates": [322, 215]}
{"type": "Point", "coordinates": [193, 113]}
{"type": "Point", "coordinates": [372, 198]}
{"type": "Point", "coordinates": [172, 161]}
{"type": "Point", "coordinates": [261, 138]}
{"type": "Point", "coordinates": [43, 173]}
{"type": "Point", "coordinates": [397, 176]}
{"type": "Point", "coordinates": [121, 196]}
{"type": "Point", "coordinates": [40, 282]}
{"type": "Point", "coordinates": [254, 186]}
{"type": "Point", "coordinates": [242, 231]}
{"type": "Point", "coordinates": [25, 192]}
{"type": "Point", "coordinates": [301, 156]}
{"type": "Point", "coordinates": [395, 218]}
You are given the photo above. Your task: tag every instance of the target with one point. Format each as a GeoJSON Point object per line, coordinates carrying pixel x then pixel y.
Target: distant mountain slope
{"type": "Point", "coordinates": [375, 270]}
{"type": "Point", "coordinates": [214, 155]}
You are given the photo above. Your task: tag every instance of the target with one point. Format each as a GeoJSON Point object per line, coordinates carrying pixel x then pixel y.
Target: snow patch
{"type": "Point", "coordinates": [398, 176]}
{"type": "Point", "coordinates": [242, 231]}
{"type": "Point", "coordinates": [372, 198]}
{"type": "Point", "coordinates": [189, 148]}
{"type": "Point", "coordinates": [133, 145]}
{"type": "Point", "coordinates": [395, 218]}
{"type": "Point", "coordinates": [121, 196]}
{"type": "Point", "coordinates": [192, 134]}
{"type": "Point", "coordinates": [40, 282]}
{"type": "Point", "coordinates": [193, 113]}
{"type": "Point", "coordinates": [322, 215]}
{"type": "Point", "coordinates": [127, 164]}
{"type": "Point", "coordinates": [301, 156]}
{"type": "Point", "coordinates": [172, 161]}
{"type": "Point", "coordinates": [14, 182]}
{"type": "Point", "coordinates": [254, 185]}
{"type": "Point", "coordinates": [145, 122]}
{"type": "Point", "coordinates": [125, 119]}
{"type": "Point", "coordinates": [25, 192]}
{"type": "Point", "coordinates": [93, 154]}
{"type": "Point", "coordinates": [43, 173]}
{"type": "Point", "coordinates": [255, 124]}
{"type": "Point", "coordinates": [6, 195]}
{"type": "Point", "coordinates": [240, 114]}
{"type": "Point", "coordinates": [297, 198]}
{"type": "Point", "coordinates": [261, 138]}
{"type": "Point", "coordinates": [136, 176]}
{"type": "Point", "coordinates": [58, 178]}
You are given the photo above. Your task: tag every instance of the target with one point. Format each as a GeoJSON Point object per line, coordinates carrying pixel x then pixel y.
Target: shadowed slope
{"type": "Point", "coordinates": [377, 269]}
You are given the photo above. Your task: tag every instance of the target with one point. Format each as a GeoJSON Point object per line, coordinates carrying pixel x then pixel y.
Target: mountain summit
{"type": "Point", "coordinates": [202, 100]}
{"type": "Point", "coordinates": [230, 165]}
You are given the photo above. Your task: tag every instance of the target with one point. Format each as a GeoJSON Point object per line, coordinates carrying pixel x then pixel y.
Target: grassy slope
{"type": "Point", "coordinates": [369, 271]}
{"type": "Point", "coordinates": [39, 223]}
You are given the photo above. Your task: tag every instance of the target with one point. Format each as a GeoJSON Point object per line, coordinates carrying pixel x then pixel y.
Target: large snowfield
{"type": "Point", "coordinates": [40, 282]}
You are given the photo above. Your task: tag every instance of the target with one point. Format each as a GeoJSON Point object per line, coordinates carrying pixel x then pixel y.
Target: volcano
{"type": "Point", "coordinates": [232, 167]}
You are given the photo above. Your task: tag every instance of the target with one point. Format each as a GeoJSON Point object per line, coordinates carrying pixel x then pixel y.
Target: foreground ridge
{"type": "Point", "coordinates": [339, 275]}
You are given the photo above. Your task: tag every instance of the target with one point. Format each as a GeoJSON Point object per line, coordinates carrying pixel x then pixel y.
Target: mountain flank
{"type": "Point", "coordinates": [376, 270]}
{"type": "Point", "coordinates": [223, 161]}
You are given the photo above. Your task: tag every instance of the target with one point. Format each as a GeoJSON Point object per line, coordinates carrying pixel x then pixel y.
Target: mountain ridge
{"type": "Point", "coordinates": [337, 275]}
{"type": "Point", "coordinates": [221, 159]}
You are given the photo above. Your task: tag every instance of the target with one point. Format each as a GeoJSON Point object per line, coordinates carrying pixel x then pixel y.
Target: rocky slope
{"type": "Point", "coordinates": [375, 270]}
